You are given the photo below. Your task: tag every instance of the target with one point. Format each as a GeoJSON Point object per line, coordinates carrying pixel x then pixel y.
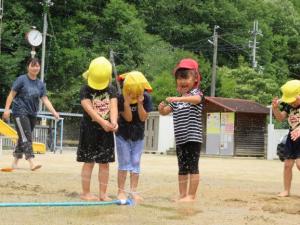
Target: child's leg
{"type": "Point", "coordinates": [192, 157]}
{"type": "Point", "coordinates": [103, 176]}
{"type": "Point", "coordinates": [86, 174]}
{"type": "Point", "coordinates": [287, 177]}
{"type": "Point", "coordinates": [298, 163]}
{"type": "Point", "coordinates": [121, 184]}
{"type": "Point", "coordinates": [183, 167]}
{"type": "Point", "coordinates": [193, 186]}
{"type": "Point", "coordinates": [183, 185]}
{"type": "Point", "coordinates": [134, 180]}
{"type": "Point", "coordinates": [136, 154]}
{"type": "Point", "coordinates": [124, 164]}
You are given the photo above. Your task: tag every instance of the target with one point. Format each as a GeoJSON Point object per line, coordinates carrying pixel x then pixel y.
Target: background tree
{"type": "Point", "coordinates": [152, 36]}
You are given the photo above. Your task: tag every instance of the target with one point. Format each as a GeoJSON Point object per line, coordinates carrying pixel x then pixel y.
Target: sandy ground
{"type": "Point", "coordinates": [232, 191]}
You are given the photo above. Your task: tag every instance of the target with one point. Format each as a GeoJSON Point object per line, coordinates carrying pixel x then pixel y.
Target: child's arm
{"type": "Point", "coordinates": [280, 116]}
{"type": "Point", "coordinates": [193, 99]}
{"type": "Point", "coordinates": [143, 114]}
{"type": "Point", "coordinates": [127, 114]}
{"type": "Point", "coordinates": [88, 107]}
{"type": "Point", "coordinates": [164, 109]}
{"type": "Point", "coordinates": [50, 107]}
{"type": "Point", "coordinates": [114, 113]}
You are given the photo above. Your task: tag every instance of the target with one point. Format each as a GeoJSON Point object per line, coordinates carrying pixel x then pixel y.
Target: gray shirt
{"type": "Point", "coordinates": [26, 101]}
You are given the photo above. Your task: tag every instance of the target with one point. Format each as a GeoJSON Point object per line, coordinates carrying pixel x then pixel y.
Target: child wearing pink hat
{"type": "Point", "coordinates": [187, 111]}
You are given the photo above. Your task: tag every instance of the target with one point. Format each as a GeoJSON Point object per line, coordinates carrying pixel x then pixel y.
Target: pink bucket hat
{"type": "Point", "coordinates": [190, 64]}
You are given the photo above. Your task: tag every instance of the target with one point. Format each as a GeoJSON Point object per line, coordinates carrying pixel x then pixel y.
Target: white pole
{"type": "Point", "coordinates": [1, 16]}
{"type": "Point", "coordinates": [45, 26]}
{"type": "Point", "coordinates": [46, 5]}
{"type": "Point", "coordinates": [1, 146]}
{"type": "Point", "coordinates": [271, 145]}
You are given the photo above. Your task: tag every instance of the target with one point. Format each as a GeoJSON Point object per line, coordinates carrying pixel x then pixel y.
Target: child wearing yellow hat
{"type": "Point", "coordinates": [134, 104]}
{"type": "Point", "coordinates": [96, 142]}
{"type": "Point", "coordinates": [290, 110]}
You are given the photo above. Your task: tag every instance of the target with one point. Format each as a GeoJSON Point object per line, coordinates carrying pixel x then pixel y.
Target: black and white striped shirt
{"type": "Point", "coordinates": [187, 119]}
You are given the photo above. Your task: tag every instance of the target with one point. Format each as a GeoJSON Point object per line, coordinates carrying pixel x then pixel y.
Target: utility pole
{"type": "Point", "coordinates": [214, 67]}
{"type": "Point", "coordinates": [253, 45]}
{"type": "Point", "coordinates": [46, 5]}
{"type": "Point", "coordinates": [1, 16]}
{"type": "Point", "coordinates": [112, 60]}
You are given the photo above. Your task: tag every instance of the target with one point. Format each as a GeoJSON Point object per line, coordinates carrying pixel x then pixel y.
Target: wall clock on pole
{"type": "Point", "coordinates": [34, 38]}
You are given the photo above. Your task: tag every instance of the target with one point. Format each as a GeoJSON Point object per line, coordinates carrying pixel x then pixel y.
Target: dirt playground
{"type": "Point", "coordinates": [232, 191]}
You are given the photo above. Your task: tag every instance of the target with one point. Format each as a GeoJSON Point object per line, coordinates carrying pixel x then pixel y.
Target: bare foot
{"type": "Point", "coordinates": [122, 196]}
{"type": "Point", "coordinates": [284, 194]}
{"type": "Point", "coordinates": [187, 199]}
{"type": "Point", "coordinates": [88, 197]}
{"type": "Point", "coordinates": [105, 198]}
{"type": "Point", "coordinates": [137, 198]}
{"type": "Point", "coordinates": [34, 168]}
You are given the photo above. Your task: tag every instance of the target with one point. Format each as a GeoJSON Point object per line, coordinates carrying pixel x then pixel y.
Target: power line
{"type": "Point", "coordinates": [233, 45]}
{"type": "Point", "coordinates": [204, 40]}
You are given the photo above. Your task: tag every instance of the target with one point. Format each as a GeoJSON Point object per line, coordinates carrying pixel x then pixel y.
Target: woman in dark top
{"type": "Point", "coordinates": [24, 96]}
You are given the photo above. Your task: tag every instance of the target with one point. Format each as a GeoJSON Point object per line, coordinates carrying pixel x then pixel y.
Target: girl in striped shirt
{"type": "Point", "coordinates": [187, 117]}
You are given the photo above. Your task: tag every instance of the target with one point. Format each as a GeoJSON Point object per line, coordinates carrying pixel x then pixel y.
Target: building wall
{"type": "Point", "coordinates": [159, 133]}
{"type": "Point", "coordinates": [249, 135]}
{"type": "Point", "coordinates": [250, 130]}
{"type": "Point", "coordinates": [274, 137]}
{"type": "Point", "coordinates": [208, 108]}
{"type": "Point", "coordinates": [166, 139]}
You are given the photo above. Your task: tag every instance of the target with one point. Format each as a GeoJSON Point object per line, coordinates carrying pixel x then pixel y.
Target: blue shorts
{"type": "Point", "coordinates": [129, 154]}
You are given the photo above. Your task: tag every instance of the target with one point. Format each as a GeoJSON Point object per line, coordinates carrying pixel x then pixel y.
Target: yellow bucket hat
{"type": "Point", "coordinates": [290, 90]}
{"type": "Point", "coordinates": [99, 73]}
{"type": "Point", "coordinates": [134, 83]}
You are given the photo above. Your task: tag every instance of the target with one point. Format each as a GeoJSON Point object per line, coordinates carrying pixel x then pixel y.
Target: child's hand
{"type": "Point", "coordinates": [127, 99]}
{"type": "Point", "coordinates": [115, 127]}
{"type": "Point", "coordinates": [161, 106]}
{"type": "Point", "coordinates": [275, 103]}
{"type": "Point", "coordinates": [295, 134]}
{"type": "Point", "coordinates": [140, 99]}
{"type": "Point", "coordinates": [172, 99]}
{"type": "Point", "coordinates": [107, 126]}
